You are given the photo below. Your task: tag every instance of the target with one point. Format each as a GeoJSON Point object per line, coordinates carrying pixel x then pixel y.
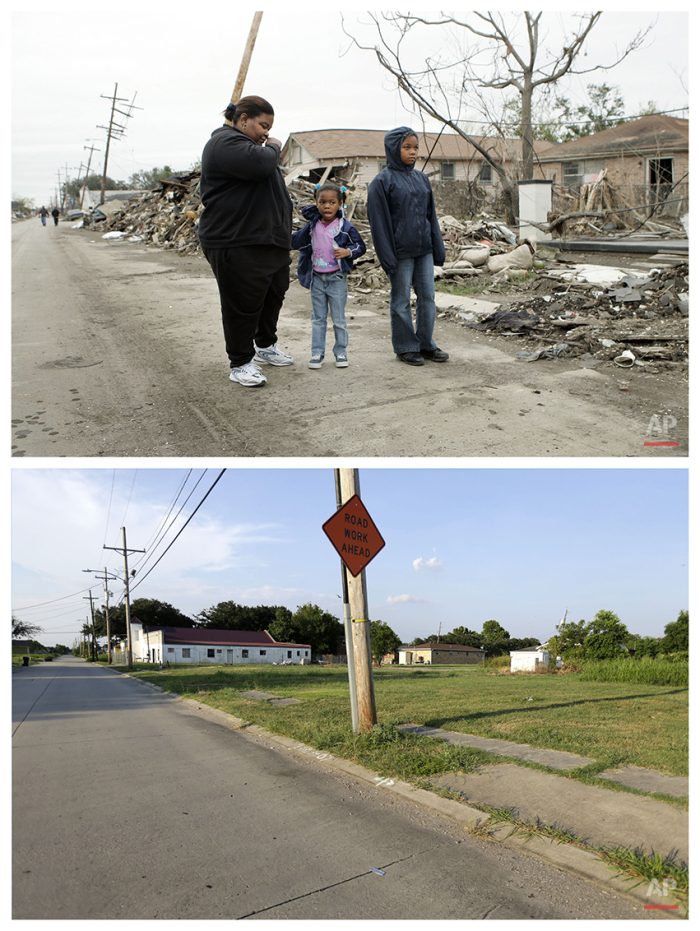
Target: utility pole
{"type": "Point", "coordinates": [87, 174]}
{"type": "Point", "coordinates": [106, 606]}
{"type": "Point", "coordinates": [357, 597]}
{"type": "Point", "coordinates": [114, 131]}
{"type": "Point", "coordinates": [93, 649]}
{"type": "Point", "coordinates": [245, 61]}
{"type": "Point", "coordinates": [125, 552]}
{"type": "Point", "coordinates": [347, 621]}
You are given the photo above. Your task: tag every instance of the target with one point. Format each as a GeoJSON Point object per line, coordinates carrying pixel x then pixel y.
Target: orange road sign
{"type": "Point", "coordinates": [354, 535]}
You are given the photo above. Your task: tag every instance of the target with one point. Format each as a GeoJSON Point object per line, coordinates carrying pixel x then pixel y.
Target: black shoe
{"type": "Point", "coordinates": [437, 355]}
{"type": "Point", "coordinates": [411, 358]}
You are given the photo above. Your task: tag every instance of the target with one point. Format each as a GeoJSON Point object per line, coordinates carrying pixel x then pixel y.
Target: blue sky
{"type": "Point", "coordinates": [463, 545]}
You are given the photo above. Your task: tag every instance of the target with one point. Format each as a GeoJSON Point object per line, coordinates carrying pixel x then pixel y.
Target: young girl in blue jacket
{"type": "Point", "coordinates": [327, 246]}
{"type": "Point", "coordinates": [408, 243]}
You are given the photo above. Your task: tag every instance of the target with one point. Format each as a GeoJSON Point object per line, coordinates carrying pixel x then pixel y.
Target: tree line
{"type": "Point", "coordinates": [603, 637]}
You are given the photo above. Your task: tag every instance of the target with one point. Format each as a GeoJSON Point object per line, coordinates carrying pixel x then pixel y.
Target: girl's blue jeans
{"type": "Point", "coordinates": [420, 273]}
{"type": "Point", "coordinates": [329, 294]}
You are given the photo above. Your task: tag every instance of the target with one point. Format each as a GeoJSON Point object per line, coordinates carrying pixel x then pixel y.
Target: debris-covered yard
{"type": "Point", "coordinates": [553, 305]}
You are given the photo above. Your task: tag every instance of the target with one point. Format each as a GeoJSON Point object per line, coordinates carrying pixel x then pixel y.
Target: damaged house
{"type": "Point", "coordinates": [645, 161]}
{"type": "Point", "coordinates": [357, 155]}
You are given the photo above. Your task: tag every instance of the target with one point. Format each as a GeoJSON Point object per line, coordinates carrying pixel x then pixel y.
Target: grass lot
{"type": "Point", "coordinates": [612, 723]}
{"type": "Point", "coordinates": [18, 658]}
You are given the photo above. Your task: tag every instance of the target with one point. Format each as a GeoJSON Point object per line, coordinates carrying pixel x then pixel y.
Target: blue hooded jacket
{"type": "Point", "coordinates": [347, 238]}
{"type": "Point", "coordinates": [401, 209]}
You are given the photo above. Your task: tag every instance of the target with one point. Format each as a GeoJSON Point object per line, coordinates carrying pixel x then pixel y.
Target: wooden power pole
{"type": "Point", "coordinates": [347, 620]}
{"type": "Point", "coordinates": [127, 607]}
{"type": "Point", "coordinates": [359, 613]}
{"type": "Point", "coordinates": [245, 61]}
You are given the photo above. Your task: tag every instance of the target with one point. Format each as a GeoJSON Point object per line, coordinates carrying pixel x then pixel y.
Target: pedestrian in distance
{"type": "Point", "coordinates": [246, 235]}
{"type": "Point", "coordinates": [55, 214]}
{"type": "Point", "coordinates": [43, 213]}
{"type": "Point", "coordinates": [408, 242]}
{"type": "Point", "coordinates": [327, 245]}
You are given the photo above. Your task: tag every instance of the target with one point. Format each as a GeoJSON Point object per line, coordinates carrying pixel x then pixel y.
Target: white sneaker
{"type": "Point", "coordinates": [315, 362]}
{"type": "Point", "coordinates": [273, 355]}
{"type": "Point", "coordinates": [248, 375]}
{"type": "Point", "coordinates": [341, 362]}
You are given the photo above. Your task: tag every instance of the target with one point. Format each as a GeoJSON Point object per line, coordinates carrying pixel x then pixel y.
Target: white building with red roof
{"type": "Point", "coordinates": [207, 645]}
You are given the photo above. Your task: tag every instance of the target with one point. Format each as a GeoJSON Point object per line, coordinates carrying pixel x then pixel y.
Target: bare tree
{"type": "Point", "coordinates": [497, 56]}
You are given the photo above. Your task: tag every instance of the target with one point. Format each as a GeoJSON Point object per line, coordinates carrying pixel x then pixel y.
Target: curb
{"type": "Point", "coordinates": [566, 857]}
{"type": "Point", "coordinates": [563, 856]}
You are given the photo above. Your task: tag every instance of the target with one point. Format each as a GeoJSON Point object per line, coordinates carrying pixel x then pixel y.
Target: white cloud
{"type": "Point", "coordinates": [434, 564]}
{"type": "Point", "coordinates": [405, 599]}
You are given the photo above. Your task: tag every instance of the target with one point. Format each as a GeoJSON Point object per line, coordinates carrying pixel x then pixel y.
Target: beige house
{"type": "Point", "coordinates": [358, 155]}
{"type": "Point", "coordinates": [440, 653]}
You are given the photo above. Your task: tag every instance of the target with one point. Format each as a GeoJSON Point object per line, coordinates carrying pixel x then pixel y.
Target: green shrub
{"type": "Point", "coordinates": [498, 661]}
{"type": "Point", "coordinates": [656, 672]}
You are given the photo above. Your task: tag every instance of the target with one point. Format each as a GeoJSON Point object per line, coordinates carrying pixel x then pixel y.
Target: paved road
{"type": "Point", "coordinates": [128, 806]}
{"type": "Point", "coordinates": [118, 351]}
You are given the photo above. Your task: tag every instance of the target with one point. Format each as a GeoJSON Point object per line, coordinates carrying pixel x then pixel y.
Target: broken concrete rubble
{"type": "Point", "coordinates": [644, 317]}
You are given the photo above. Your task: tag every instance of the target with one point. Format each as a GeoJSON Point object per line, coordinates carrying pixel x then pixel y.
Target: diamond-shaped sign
{"type": "Point", "coordinates": [352, 532]}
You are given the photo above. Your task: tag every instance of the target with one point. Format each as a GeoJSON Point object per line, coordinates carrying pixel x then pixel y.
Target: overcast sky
{"type": "Point", "coordinates": [182, 63]}
{"type": "Point", "coordinates": [462, 545]}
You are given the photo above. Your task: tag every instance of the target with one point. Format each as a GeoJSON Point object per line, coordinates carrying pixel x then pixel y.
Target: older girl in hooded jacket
{"type": "Point", "coordinates": [408, 243]}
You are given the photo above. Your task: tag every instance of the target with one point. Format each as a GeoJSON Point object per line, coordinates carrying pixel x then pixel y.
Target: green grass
{"type": "Point", "coordinates": [635, 866]}
{"type": "Point", "coordinates": [613, 723]}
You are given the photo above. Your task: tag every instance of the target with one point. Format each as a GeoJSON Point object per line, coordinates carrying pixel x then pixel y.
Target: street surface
{"type": "Point", "coordinates": [126, 805]}
{"type": "Point", "coordinates": [118, 351]}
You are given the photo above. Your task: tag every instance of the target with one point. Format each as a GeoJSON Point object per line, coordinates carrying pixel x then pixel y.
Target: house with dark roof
{"type": "Point", "coordinates": [440, 653]}
{"type": "Point", "coordinates": [207, 645]}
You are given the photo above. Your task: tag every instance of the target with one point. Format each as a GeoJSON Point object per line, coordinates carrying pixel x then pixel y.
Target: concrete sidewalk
{"type": "Point", "coordinates": [601, 817]}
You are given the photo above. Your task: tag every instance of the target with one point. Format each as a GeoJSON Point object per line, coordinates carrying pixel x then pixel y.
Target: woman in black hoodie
{"type": "Point", "coordinates": [246, 235]}
{"type": "Point", "coordinates": [408, 243]}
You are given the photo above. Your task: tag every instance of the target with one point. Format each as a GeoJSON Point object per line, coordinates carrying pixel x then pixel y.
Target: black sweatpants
{"type": "Point", "coordinates": [253, 281]}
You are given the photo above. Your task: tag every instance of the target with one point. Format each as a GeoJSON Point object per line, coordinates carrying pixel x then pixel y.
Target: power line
{"type": "Point", "coordinates": [54, 600]}
{"type": "Point", "coordinates": [160, 532]}
{"type": "Point", "coordinates": [143, 578]}
{"type": "Point", "coordinates": [518, 123]}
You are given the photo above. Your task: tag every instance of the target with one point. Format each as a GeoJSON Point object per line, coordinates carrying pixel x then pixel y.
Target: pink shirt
{"type": "Point", "coordinates": [323, 259]}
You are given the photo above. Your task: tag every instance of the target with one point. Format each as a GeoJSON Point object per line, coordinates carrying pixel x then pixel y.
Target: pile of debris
{"type": "Point", "coordinates": [598, 208]}
{"type": "Point", "coordinates": [165, 217]}
{"type": "Point", "coordinates": [629, 322]}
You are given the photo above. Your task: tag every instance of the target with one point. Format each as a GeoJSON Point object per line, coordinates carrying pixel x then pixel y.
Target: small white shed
{"type": "Point", "coordinates": [527, 660]}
